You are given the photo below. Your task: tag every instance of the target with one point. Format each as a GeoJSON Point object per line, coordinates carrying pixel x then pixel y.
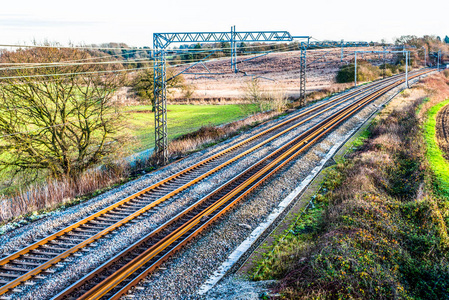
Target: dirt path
{"type": "Point", "coordinates": [442, 130]}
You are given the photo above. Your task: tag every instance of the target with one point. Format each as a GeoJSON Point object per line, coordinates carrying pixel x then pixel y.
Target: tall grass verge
{"type": "Point", "coordinates": [209, 135]}
{"type": "Point", "coordinates": [437, 162]}
{"type": "Point", "coordinates": [378, 231]}
{"type": "Point", "coordinates": [69, 191]}
{"type": "Point", "coordinates": [65, 191]}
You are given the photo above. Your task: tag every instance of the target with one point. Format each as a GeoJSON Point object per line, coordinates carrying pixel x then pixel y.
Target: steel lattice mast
{"type": "Point", "coordinates": [161, 41]}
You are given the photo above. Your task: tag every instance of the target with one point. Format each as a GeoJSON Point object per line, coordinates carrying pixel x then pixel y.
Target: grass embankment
{"type": "Point", "coordinates": [437, 162]}
{"type": "Point", "coordinates": [181, 119]}
{"type": "Point", "coordinates": [378, 228]}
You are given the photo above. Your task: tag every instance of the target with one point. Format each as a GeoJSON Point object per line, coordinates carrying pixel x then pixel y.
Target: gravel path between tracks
{"type": "Point", "coordinates": [195, 263]}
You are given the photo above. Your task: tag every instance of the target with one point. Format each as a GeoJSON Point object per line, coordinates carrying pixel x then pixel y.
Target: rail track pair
{"type": "Point", "coordinates": [116, 276]}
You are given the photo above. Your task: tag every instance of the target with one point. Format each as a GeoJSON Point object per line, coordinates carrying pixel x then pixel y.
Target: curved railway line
{"type": "Point", "coordinates": [116, 276]}
{"type": "Point", "coordinates": [444, 123]}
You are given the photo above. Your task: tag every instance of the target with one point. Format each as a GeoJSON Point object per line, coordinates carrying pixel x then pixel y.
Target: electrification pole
{"type": "Point", "coordinates": [233, 51]}
{"type": "Point", "coordinates": [438, 60]}
{"type": "Point", "coordinates": [302, 73]}
{"type": "Point", "coordinates": [406, 68]}
{"type": "Point", "coordinates": [341, 60]}
{"type": "Point", "coordinates": [161, 41]}
{"type": "Point", "coordinates": [425, 56]}
{"type": "Point", "coordinates": [355, 69]}
{"type": "Point", "coordinates": [160, 104]}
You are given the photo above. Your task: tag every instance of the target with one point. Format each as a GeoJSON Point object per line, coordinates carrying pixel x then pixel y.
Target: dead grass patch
{"type": "Point", "coordinates": [208, 135]}
{"type": "Point", "coordinates": [377, 231]}
{"type": "Point", "coordinates": [70, 191]}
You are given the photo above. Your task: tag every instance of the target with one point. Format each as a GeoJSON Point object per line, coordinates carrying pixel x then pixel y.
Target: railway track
{"type": "Point", "coordinates": [444, 123]}
{"type": "Point", "coordinates": [149, 252]}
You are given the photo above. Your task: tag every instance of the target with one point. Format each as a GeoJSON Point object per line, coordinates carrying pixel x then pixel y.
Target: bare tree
{"type": "Point", "coordinates": [143, 84]}
{"type": "Point", "coordinates": [256, 97]}
{"type": "Point", "coordinates": [56, 114]}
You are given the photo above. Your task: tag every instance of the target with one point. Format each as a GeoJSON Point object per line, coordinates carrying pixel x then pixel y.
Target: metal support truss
{"type": "Point", "coordinates": [302, 74]}
{"type": "Point", "coordinates": [161, 41]}
{"type": "Point", "coordinates": [160, 107]}
{"type": "Point", "coordinates": [233, 51]}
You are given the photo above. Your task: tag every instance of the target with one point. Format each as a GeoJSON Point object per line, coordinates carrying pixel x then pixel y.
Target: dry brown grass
{"type": "Point", "coordinates": [56, 192]}
{"type": "Point", "coordinates": [69, 191]}
{"type": "Point", "coordinates": [382, 234]}
{"type": "Point", "coordinates": [433, 84]}
{"type": "Point", "coordinates": [328, 91]}
{"type": "Point", "coordinates": [208, 135]}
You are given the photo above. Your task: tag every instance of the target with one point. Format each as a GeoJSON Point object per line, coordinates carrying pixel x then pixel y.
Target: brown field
{"type": "Point", "coordinates": [279, 71]}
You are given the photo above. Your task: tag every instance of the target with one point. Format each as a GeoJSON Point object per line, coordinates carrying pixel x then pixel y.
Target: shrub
{"type": "Point", "coordinates": [278, 100]}
{"type": "Point", "coordinates": [345, 74]}
{"type": "Point", "coordinates": [365, 72]}
{"type": "Point", "coordinates": [446, 73]}
{"type": "Point", "coordinates": [262, 100]}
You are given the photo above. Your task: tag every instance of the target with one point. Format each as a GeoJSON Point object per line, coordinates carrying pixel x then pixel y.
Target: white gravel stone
{"type": "Point", "coordinates": [189, 268]}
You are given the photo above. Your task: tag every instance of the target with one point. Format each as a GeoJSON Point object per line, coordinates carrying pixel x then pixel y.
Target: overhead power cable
{"type": "Point", "coordinates": [132, 69]}
{"type": "Point", "coordinates": [138, 49]}
{"type": "Point", "coordinates": [107, 71]}
{"type": "Point", "coordinates": [122, 70]}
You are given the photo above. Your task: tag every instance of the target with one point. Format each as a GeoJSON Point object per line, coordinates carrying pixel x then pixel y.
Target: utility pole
{"type": "Point", "coordinates": [161, 41]}
{"type": "Point", "coordinates": [406, 68]}
{"type": "Point", "coordinates": [341, 60]}
{"type": "Point", "coordinates": [385, 64]}
{"type": "Point", "coordinates": [438, 60]}
{"type": "Point", "coordinates": [355, 69]}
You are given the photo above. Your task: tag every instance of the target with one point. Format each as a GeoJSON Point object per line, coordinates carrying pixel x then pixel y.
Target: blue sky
{"type": "Point", "coordinates": [134, 22]}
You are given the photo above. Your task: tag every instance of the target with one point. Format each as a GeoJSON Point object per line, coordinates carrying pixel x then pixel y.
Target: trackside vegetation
{"type": "Point", "coordinates": [437, 162]}
{"type": "Point", "coordinates": [378, 227]}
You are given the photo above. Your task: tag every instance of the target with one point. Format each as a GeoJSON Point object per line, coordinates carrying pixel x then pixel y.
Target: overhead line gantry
{"type": "Point", "coordinates": [161, 42]}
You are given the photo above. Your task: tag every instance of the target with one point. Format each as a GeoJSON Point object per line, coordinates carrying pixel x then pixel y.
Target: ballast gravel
{"type": "Point", "coordinates": [181, 275]}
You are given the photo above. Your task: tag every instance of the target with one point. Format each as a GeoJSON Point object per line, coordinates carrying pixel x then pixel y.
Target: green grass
{"type": "Point", "coordinates": [438, 164]}
{"type": "Point", "coordinates": [181, 119]}
{"type": "Point", "coordinates": [371, 235]}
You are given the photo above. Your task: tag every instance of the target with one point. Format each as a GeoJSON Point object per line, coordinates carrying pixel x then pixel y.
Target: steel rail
{"type": "Point", "coordinates": [444, 124]}
{"type": "Point", "coordinates": [81, 245]}
{"type": "Point", "coordinates": [5, 260]}
{"type": "Point", "coordinates": [167, 224]}
{"type": "Point", "coordinates": [315, 133]}
{"type": "Point", "coordinates": [63, 255]}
